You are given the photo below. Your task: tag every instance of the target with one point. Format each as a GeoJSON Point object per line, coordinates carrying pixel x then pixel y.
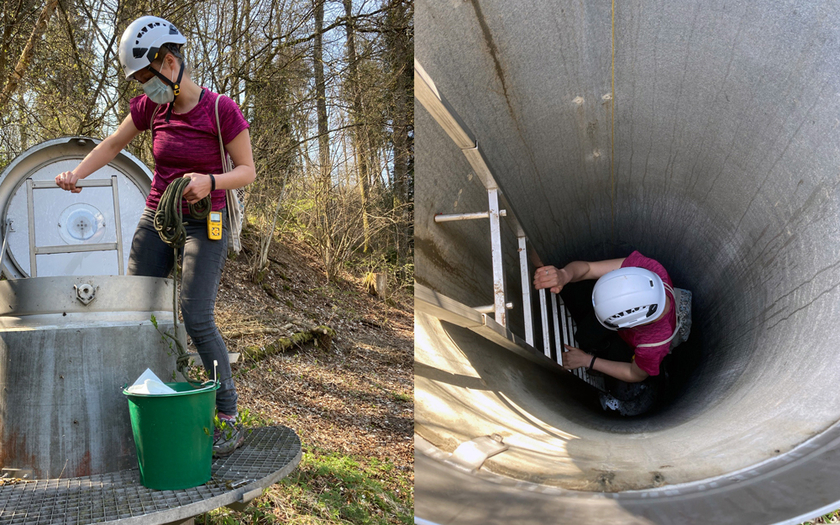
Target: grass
{"type": "Point", "coordinates": [403, 398]}
{"type": "Point", "coordinates": [329, 488]}
{"type": "Point", "coordinates": [831, 517]}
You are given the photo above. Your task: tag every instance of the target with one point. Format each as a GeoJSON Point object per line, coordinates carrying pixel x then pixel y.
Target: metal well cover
{"type": "Point", "coordinates": [65, 221]}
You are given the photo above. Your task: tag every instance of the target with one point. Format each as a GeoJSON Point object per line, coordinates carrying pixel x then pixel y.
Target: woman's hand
{"type": "Point", "coordinates": [67, 181]}
{"type": "Point", "coordinates": [198, 188]}
{"type": "Point", "coordinates": [551, 277]}
{"type": "Point", "coordinates": [575, 358]}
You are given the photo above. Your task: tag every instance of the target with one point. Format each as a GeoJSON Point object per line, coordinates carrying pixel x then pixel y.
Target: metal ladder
{"type": "Point", "coordinates": [564, 326]}
{"type": "Point", "coordinates": [32, 185]}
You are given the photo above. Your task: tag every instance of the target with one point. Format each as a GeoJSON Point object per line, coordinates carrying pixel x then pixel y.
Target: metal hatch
{"type": "Point", "coordinates": [51, 232]}
{"type": "Point", "coordinates": [73, 332]}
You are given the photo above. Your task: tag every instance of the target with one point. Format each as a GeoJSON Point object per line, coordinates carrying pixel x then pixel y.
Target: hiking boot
{"type": "Point", "coordinates": [227, 437]}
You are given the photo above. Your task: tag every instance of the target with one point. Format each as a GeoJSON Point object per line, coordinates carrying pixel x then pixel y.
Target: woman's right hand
{"type": "Point", "coordinates": [551, 277]}
{"type": "Point", "coordinates": [67, 181]}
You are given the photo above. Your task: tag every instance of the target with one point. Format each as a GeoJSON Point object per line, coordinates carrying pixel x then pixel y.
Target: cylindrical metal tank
{"type": "Point", "coordinates": [63, 364]}
{"type": "Point", "coordinates": [703, 134]}
{"type": "Point", "coordinates": [74, 329]}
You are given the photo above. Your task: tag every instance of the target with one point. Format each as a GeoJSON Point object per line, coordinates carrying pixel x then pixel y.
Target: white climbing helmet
{"type": "Point", "coordinates": [628, 297]}
{"type": "Point", "coordinates": [141, 41]}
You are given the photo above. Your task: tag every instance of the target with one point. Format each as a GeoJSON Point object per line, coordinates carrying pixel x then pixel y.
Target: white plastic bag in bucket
{"type": "Point", "coordinates": [149, 383]}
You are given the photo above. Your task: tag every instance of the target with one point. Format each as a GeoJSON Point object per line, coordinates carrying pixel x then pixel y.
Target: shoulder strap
{"type": "Point", "coordinates": [152, 122]}
{"type": "Point", "coordinates": [660, 343]}
{"type": "Point", "coordinates": [225, 162]}
{"type": "Point", "coordinates": [674, 305]}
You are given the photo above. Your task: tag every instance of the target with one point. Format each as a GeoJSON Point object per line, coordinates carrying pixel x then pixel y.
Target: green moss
{"type": "Point", "coordinates": [403, 398]}
{"type": "Point", "coordinates": [320, 336]}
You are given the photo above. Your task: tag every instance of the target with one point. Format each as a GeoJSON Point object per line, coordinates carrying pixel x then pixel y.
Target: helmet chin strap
{"type": "Point", "coordinates": [176, 86]}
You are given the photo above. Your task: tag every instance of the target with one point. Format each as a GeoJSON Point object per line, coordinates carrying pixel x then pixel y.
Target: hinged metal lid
{"type": "Point", "coordinates": [51, 232]}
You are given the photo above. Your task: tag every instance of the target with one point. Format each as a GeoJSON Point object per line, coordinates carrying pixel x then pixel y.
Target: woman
{"type": "Point", "coordinates": [637, 302]}
{"type": "Point", "coordinates": [182, 117]}
{"type": "Point", "coordinates": [633, 299]}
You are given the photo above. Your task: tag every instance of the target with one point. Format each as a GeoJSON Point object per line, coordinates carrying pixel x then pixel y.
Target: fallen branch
{"type": "Point", "coordinates": [271, 293]}
{"type": "Point", "coordinates": [320, 336]}
{"type": "Point", "coordinates": [258, 331]}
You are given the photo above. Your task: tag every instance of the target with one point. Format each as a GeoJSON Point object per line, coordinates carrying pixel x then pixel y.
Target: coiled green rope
{"type": "Point", "coordinates": [169, 223]}
{"type": "Point", "coordinates": [169, 217]}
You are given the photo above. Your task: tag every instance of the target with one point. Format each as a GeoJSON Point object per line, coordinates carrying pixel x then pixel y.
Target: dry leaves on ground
{"type": "Point", "coordinates": [355, 397]}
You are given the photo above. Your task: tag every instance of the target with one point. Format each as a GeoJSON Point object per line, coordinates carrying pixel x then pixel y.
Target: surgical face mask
{"type": "Point", "coordinates": [158, 92]}
{"type": "Point", "coordinates": [162, 90]}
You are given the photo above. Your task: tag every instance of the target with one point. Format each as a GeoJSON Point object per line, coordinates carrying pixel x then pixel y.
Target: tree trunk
{"type": "Point", "coordinates": [359, 130]}
{"type": "Point", "coordinates": [400, 50]}
{"type": "Point", "coordinates": [268, 234]}
{"type": "Point", "coordinates": [325, 182]}
{"type": "Point", "coordinates": [11, 83]}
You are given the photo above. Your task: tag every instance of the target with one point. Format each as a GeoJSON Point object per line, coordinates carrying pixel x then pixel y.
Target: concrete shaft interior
{"type": "Point", "coordinates": [703, 134]}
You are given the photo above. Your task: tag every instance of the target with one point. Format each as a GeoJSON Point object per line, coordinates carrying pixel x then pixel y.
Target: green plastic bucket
{"type": "Point", "coordinates": [173, 435]}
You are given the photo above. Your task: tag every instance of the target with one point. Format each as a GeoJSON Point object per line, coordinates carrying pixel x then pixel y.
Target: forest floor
{"type": "Point", "coordinates": [350, 401]}
{"type": "Point", "coordinates": [832, 517]}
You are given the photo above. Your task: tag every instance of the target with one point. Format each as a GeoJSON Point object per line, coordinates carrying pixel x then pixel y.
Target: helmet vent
{"type": "Point", "coordinates": [619, 315]}
{"type": "Point", "coordinates": [139, 51]}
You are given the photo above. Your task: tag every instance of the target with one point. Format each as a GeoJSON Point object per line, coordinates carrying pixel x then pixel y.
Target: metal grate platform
{"type": "Point", "coordinates": [268, 455]}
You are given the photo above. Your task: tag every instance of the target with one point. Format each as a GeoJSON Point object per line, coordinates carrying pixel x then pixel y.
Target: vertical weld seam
{"type": "Point", "coordinates": [612, 123]}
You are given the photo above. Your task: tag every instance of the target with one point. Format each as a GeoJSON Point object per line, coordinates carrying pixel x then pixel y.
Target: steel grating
{"type": "Point", "coordinates": [268, 454]}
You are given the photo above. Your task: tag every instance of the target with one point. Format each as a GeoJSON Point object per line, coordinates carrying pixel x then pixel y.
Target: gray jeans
{"type": "Point", "coordinates": [202, 263]}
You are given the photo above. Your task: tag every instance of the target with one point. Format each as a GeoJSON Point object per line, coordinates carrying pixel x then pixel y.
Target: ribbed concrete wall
{"type": "Point", "coordinates": [703, 134]}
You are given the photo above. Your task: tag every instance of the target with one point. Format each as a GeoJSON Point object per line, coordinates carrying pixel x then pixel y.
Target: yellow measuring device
{"type": "Point", "coordinates": [214, 226]}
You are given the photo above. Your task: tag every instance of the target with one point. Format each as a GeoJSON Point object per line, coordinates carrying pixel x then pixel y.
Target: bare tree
{"type": "Point", "coordinates": [359, 133]}
{"type": "Point", "coordinates": [10, 83]}
{"type": "Point", "coordinates": [399, 42]}
{"type": "Point", "coordinates": [323, 224]}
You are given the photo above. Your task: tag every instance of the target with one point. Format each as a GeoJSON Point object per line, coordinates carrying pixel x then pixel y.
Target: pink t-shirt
{"type": "Point", "coordinates": [189, 142]}
{"type": "Point", "coordinates": [649, 358]}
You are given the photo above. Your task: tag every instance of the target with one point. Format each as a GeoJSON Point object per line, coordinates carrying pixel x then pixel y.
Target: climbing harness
{"type": "Point", "coordinates": [169, 223]}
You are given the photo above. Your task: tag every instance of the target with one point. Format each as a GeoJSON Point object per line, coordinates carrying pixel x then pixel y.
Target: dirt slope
{"type": "Point", "coordinates": [355, 397]}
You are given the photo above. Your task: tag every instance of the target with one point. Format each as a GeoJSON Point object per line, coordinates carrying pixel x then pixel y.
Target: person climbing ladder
{"type": "Point", "coordinates": [633, 296]}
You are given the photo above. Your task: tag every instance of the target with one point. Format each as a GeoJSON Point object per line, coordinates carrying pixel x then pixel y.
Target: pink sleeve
{"type": "Point", "coordinates": [142, 110]}
{"type": "Point", "coordinates": [648, 360]}
{"type": "Point", "coordinates": [230, 118]}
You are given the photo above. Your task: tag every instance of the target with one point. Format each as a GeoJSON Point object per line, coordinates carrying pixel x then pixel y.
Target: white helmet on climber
{"type": "Point", "coordinates": [628, 297]}
{"type": "Point", "coordinates": [141, 42]}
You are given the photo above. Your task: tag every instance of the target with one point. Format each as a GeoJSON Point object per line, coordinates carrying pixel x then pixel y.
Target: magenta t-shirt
{"type": "Point", "coordinates": [649, 358]}
{"type": "Point", "coordinates": [189, 142]}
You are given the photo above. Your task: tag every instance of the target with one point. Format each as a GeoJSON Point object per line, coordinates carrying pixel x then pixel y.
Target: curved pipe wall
{"type": "Point", "coordinates": [703, 134]}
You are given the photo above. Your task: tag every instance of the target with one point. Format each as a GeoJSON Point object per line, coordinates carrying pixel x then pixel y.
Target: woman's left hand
{"type": "Point", "coordinates": [198, 188]}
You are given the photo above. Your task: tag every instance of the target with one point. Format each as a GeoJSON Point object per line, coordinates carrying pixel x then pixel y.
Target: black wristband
{"type": "Point", "coordinates": [212, 182]}
{"type": "Point", "coordinates": [591, 363]}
